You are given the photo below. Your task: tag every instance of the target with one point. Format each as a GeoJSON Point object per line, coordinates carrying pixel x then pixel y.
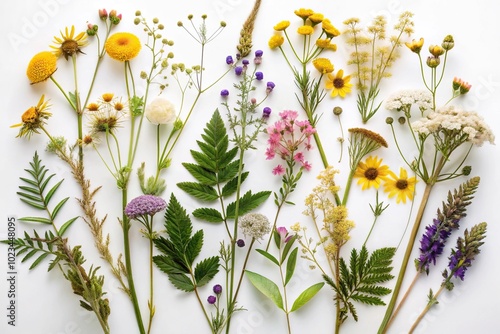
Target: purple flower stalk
{"type": "Point", "coordinates": [432, 244]}
{"type": "Point", "coordinates": [144, 205]}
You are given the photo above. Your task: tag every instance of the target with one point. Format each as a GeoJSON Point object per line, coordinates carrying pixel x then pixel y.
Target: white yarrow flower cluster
{"type": "Point", "coordinates": [453, 121]}
{"type": "Point", "coordinates": [160, 111]}
{"type": "Point", "coordinates": [255, 225]}
{"type": "Point", "coordinates": [403, 100]}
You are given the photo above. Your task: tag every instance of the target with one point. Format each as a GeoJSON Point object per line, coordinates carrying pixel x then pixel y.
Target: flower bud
{"type": "Point", "coordinates": [466, 170]}
{"type": "Point", "coordinates": [401, 120]}
{"type": "Point", "coordinates": [448, 43]}
{"type": "Point", "coordinates": [415, 46]}
{"type": "Point", "coordinates": [389, 120]}
{"type": "Point", "coordinates": [433, 61]}
{"type": "Point", "coordinates": [436, 50]}
{"type": "Point", "coordinates": [92, 29]}
{"type": "Point", "coordinates": [337, 111]}
{"type": "Point", "coordinates": [103, 14]}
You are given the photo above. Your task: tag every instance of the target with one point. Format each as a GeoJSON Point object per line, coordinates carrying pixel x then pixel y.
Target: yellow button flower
{"type": "Point", "coordinates": [304, 13]}
{"type": "Point", "coordinates": [41, 67]}
{"type": "Point", "coordinates": [282, 25]}
{"type": "Point", "coordinates": [305, 30]}
{"type": "Point", "coordinates": [123, 46]}
{"type": "Point", "coordinates": [276, 41]}
{"type": "Point", "coordinates": [323, 65]}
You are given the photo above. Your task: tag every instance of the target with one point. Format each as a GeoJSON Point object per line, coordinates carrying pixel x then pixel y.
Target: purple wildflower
{"type": "Point", "coordinates": [259, 75]}
{"type": "Point", "coordinates": [245, 62]}
{"type": "Point", "coordinates": [217, 289]}
{"type": "Point", "coordinates": [456, 268]}
{"type": "Point", "coordinates": [229, 60]}
{"type": "Point", "coordinates": [432, 244]}
{"type": "Point", "coordinates": [224, 92]}
{"type": "Point", "coordinates": [238, 70]}
{"type": "Point", "coordinates": [211, 299]}
{"type": "Point", "coordinates": [270, 87]}
{"type": "Point", "coordinates": [144, 205]}
{"type": "Point", "coordinates": [259, 53]}
{"type": "Point", "coordinates": [240, 243]}
{"type": "Point", "coordinates": [266, 112]}
{"type": "Point", "coordinates": [283, 234]}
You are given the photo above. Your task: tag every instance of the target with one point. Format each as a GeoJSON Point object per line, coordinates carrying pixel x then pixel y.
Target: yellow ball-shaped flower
{"type": "Point", "coordinates": [123, 46]}
{"type": "Point", "coordinates": [41, 67]}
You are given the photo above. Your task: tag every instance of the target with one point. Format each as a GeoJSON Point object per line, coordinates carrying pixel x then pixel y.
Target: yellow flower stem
{"type": "Point", "coordinates": [411, 241]}
{"type": "Point", "coordinates": [79, 110]}
{"type": "Point", "coordinates": [348, 186]}
{"type": "Point", "coordinates": [426, 309]}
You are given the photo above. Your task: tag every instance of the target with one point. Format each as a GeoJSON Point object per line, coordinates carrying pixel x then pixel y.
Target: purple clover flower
{"type": "Point", "coordinates": [217, 289]}
{"type": "Point", "coordinates": [245, 62]}
{"type": "Point", "coordinates": [266, 112]}
{"type": "Point", "coordinates": [211, 299]}
{"type": "Point", "coordinates": [144, 205]}
{"type": "Point", "coordinates": [270, 86]}
{"type": "Point", "coordinates": [229, 60]}
{"type": "Point", "coordinates": [224, 93]}
{"type": "Point", "coordinates": [259, 75]}
{"type": "Point", "coordinates": [238, 70]}
{"type": "Point", "coordinates": [259, 53]}
{"type": "Point", "coordinates": [240, 243]}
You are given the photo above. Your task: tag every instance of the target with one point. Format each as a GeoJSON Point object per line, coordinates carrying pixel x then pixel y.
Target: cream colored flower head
{"type": "Point", "coordinates": [160, 111]}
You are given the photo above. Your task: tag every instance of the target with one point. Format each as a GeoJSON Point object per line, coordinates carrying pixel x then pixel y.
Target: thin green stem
{"type": "Point", "coordinates": [151, 279]}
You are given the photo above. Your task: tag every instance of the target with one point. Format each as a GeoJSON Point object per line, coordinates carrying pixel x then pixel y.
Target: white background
{"type": "Point", "coordinates": [45, 302]}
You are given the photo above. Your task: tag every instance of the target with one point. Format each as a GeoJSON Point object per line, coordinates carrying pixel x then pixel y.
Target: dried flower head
{"type": "Point", "coordinates": [69, 44]}
{"type": "Point", "coordinates": [404, 100]}
{"type": "Point", "coordinates": [415, 46]}
{"type": "Point", "coordinates": [123, 46]}
{"type": "Point", "coordinates": [254, 225]}
{"type": "Point", "coordinates": [33, 119]}
{"type": "Point", "coordinates": [41, 67]}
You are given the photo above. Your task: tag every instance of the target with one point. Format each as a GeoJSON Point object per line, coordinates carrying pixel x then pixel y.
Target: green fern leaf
{"type": "Point", "coordinates": [202, 175]}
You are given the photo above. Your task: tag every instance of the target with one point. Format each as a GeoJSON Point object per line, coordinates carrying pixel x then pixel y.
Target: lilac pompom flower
{"type": "Point", "coordinates": [224, 93]}
{"type": "Point", "coordinates": [143, 208]}
{"type": "Point", "coordinates": [259, 75]}
{"type": "Point", "coordinates": [238, 70]}
{"type": "Point", "coordinates": [211, 299]}
{"type": "Point", "coordinates": [229, 60]}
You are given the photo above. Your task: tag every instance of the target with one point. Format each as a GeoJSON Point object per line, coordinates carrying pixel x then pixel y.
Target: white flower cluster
{"type": "Point", "coordinates": [403, 100]}
{"type": "Point", "coordinates": [160, 111]}
{"type": "Point", "coordinates": [452, 119]}
{"type": "Point", "coordinates": [255, 225]}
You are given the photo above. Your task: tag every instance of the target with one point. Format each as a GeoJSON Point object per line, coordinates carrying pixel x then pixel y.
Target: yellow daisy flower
{"type": "Point", "coordinates": [402, 186]}
{"type": "Point", "coordinates": [323, 65]}
{"type": "Point", "coordinates": [415, 46]}
{"type": "Point", "coordinates": [305, 30]}
{"type": "Point", "coordinates": [371, 173]}
{"type": "Point", "coordinates": [123, 46]}
{"type": "Point", "coordinates": [41, 67]}
{"type": "Point", "coordinates": [323, 43]}
{"type": "Point", "coordinates": [304, 13]}
{"type": "Point", "coordinates": [69, 44]}
{"type": "Point", "coordinates": [329, 29]}
{"type": "Point", "coordinates": [339, 84]}
{"type": "Point", "coordinates": [282, 25]}
{"type": "Point", "coordinates": [276, 41]}
{"type": "Point", "coordinates": [33, 119]}
{"type": "Point", "coordinates": [316, 18]}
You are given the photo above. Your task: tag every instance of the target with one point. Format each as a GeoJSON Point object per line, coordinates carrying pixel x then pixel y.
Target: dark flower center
{"type": "Point", "coordinates": [401, 184]}
{"type": "Point", "coordinates": [371, 173]}
{"type": "Point", "coordinates": [338, 83]}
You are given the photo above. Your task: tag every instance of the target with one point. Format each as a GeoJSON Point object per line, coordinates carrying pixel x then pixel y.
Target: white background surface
{"type": "Point", "coordinates": [45, 302]}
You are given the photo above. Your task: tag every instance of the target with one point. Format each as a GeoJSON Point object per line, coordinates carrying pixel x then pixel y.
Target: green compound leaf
{"type": "Point", "coordinates": [306, 296]}
{"type": "Point", "coordinates": [248, 202]}
{"type": "Point", "coordinates": [202, 175]}
{"type": "Point", "coordinates": [267, 287]}
{"type": "Point", "coordinates": [200, 191]}
{"type": "Point", "coordinates": [208, 214]}
{"type": "Point", "coordinates": [206, 270]}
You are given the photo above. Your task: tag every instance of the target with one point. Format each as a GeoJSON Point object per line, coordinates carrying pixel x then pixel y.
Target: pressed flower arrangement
{"type": "Point", "coordinates": [222, 180]}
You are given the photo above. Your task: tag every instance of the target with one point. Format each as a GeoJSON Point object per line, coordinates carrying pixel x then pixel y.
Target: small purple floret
{"type": "Point", "coordinates": [259, 75]}
{"type": "Point", "coordinates": [211, 299]}
{"type": "Point", "coordinates": [224, 92]}
{"type": "Point", "coordinates": [238, 70]}
{"type": "Point", "coordinates": [217, 289]}
{"type": "Point", "coordinates": [144, 205]}
{"type": "Point", "coordinates": [259, 53]}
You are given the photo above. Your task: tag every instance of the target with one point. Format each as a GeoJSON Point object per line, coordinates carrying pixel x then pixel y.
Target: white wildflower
{"type": "Point", "coordinates": [404, 100]}
{"type": "Point", "coordinates": [255, 225]}
{"type": "Point", "coordinates": [160, 111]}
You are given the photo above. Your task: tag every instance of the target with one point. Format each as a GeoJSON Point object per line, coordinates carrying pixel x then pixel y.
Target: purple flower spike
{"type": "Point", "coordinates": [144, 205]}
{"type": "Point", "coordinates": [259, 53]}
{"type": "Point", "coordinates": [238, 70]}
{"type": "Point", "coordinates": [211, 299]}
{"type": "Point", "coordinates": [259, 75]}
{"type": "Point", "coordinates": [224, 92]}
{"type": "Point", "coordinates": [217, 289]}
{"type": "Point", "coordinates": [229, 60]}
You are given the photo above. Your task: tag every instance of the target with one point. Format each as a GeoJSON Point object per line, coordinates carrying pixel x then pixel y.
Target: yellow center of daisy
{"type": "Point", "coordinates": [30, 115]}
{"type": "Point", "coordinates": [371, 173]}
{"type": "Point", "coordinates": [402, 184]}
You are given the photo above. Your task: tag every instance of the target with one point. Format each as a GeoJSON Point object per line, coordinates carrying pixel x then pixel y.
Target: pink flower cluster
{"type": "Point", "coordinates": [289, 138]}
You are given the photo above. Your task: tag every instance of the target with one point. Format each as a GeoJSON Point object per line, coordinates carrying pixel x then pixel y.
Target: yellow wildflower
{"type": "Point", "coordinates": [276, 41]}
{"type": "Point", "coordinates": [304, 13]}
{"type": "Point", "coordinates": [325, 43]}
{"type": "Point", "coordinates": [323, 65]}
{"type": "Point", "coordinates": [415, 46]}
{"type": "Point", "coordinates": [41, 67]}
{"type": "Point", "coordinates": [33, 119]}
{"type": "Point", "coordinates": [402, 187]}
{"type": "Point", "coordinates": [69, 44]}
{"type": "Point", "coordinates": [316, 18]}
{"type": "Point", "coordinates": [339, 84]}
{"type": "Point", "coordinates": [282, 25]}
{"type": "Point", "coordinates": [329, 29]}
{"type": "Point", "coordinates": [371, 173]}
{"type": "Point", "coordinates": [123, 46]}
{"type": "Point", "coordinates": [305, 30]}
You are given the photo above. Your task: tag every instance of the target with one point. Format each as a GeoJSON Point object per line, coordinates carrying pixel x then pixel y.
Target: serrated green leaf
{"type": "Point", "coordinates": [367, 299]}
{"type": "Point", "coordinates": [227, 158]}
{"type": "Point", "coordinates": [181, 282]}
{"type": "Point", "coordinates": [306, 296]}
{"type": "Point", "coordinates": [200, 191]}
{"type": "Point", "coordinates": [248, 202]}
{"type": "Point", "coordinates": [228, 172]}
{"type": "Point", "coordinates": [201, 174]}
{"type": "Point", "coordinates": [290, 265]}
{"type": "Point", "coordinates": [38, 260]}
{"type": "Point", "coordinates": [205, 271]}
{"type": "Point", "coordinates": [169, 266]}
{"type": "Point", "coordinates": [268, 255]}
{"type": "Point", "coordinates": [204, 161]}
{"type": "Point", "coordinates": [193, 247]}
{"type": "Point", "coordinates": [66, 225]}
{"type": "Point", "coordinates": [231, 187]}
{"type": "Point", "coordinates": [208, 214]}
{"type": "Point", "coordinates": [207, 150]}
{"type": "Point", "coordinates": [58, 207]}
{"type": "Point", "coordinates": [267, 287]}
{"type": "Point", "coordinates": [36, 220]}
